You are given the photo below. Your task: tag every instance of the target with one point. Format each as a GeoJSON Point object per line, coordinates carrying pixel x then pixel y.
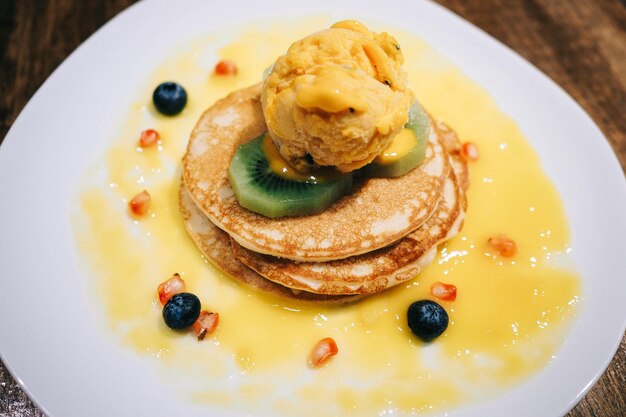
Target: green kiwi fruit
{"type": "Point", "coordinates": [258, 188]}
{"type": "Point", "coordinates": [420, 126]}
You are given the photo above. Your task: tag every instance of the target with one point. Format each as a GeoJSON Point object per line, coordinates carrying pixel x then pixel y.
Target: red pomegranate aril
{"type": "Point", "coordinates": [469, 151]}
{"type": "Point", "coordinates": [148, 137]}
{"type": "Point", "coordinates": [168, 288]}
{"type": "Point", "coordinates": [226, 67]}
{"type": "Point", "coordinates": [505, 246]}
{"type": "Point", "coordinates": [323, 351]}
{"type": "Point", "coordinates": [445, 292]}
{"type": "Point", "coordinates": [206, 324]}
{"type": "Point", "coordinates": [139, 205]}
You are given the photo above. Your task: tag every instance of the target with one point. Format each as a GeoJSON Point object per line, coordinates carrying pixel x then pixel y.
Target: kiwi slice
{"type": "Point", "coordinates": [407, 150]}
{"type": "Point", "coordinates": [258, 188]}
{"type": "Point", "coordinates": [419, 123]}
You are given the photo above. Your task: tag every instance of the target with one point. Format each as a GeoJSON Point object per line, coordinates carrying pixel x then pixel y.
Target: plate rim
{"type": "Point", "coordinates": [134, 9]}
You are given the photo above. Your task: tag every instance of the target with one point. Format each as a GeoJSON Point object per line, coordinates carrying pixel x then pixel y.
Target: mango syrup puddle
{"type": "Point", "coordinates": [508, 320]}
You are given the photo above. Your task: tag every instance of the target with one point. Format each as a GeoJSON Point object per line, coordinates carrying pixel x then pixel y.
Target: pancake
{"type": "Point", "coordinates": [215, 246]}
{"type": "Point", "coordinates": [378, 212]}
{"type": "Point", "coordinates": [452, 144]}
{"type": "Point", "coordinates": [375, 271]}
{"type": "Point", "coordinates": [371, 272]}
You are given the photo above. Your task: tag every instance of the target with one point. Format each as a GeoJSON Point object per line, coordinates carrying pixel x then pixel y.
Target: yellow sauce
{"type": "Point", "coordinates": [400, 147]}
{"type": "Point", "coordinates": [508, 320]}
{"type": "Point", "coordinates": [329, 91]}
{"type": "Point", "coordinates": [280, 166]}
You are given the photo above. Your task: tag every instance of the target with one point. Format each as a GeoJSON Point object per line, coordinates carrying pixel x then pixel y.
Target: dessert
{"type": "Point", "coordinates": [265, 335]}
{"type": "Point", "coordinates": [340, 97]}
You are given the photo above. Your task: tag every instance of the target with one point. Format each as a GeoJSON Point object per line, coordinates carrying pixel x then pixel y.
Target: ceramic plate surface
{"type": "Point", "coordinates": [70, 365]}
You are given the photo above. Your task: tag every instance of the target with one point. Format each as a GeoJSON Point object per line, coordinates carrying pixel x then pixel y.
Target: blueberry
{"type": "Point", "coordinates": [182, 310]}
{"type": "Point", "coordinates": [169, 98]}
{"type": "Point", "coordinates": [427, 319]}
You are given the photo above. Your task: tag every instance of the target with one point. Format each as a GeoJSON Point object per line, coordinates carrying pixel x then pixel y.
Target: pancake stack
{"type": "Point", "coordinates": [381, 234]}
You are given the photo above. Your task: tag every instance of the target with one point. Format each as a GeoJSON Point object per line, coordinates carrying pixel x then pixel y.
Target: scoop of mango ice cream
{"type": "Point", "coordinates": [338, 96]}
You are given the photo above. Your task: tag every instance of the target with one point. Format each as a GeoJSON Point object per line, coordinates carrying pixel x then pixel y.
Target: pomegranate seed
{"type": "Point", "coordinates": [170, 287]}
{"type": "Point", "coordinates": [505, 246]}
{"type": "Point", "coordinates": [140, 204]}
{"type": "Point", "coordinates": [446, 292]}
{"type": "Point", "coordinates": [148, 137]}
{"type": "Point", "coordinates": [469, 151]}
{"type": "Point", "coordinates": [206, 324]}
{"type": "Point", "coordinates": [225, 67]}
{"type": "Point", "coordinates": [322, 351]}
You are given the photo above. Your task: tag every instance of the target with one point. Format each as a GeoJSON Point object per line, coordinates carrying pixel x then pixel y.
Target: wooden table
{"type": "Point", "coordinates": [580, 44]}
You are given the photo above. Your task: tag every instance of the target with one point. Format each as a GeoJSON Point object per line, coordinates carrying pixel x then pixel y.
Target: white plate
{"type": "Point", "coordinates": [70, 366]}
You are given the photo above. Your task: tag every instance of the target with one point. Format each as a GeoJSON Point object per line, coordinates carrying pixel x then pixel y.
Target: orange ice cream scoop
{"type": "Point", "coordinates": [338, 96]}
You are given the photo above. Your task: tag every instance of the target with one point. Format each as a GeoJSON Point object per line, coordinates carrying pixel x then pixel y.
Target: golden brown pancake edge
{"type": "Point", "coordinates": [377, 213]}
